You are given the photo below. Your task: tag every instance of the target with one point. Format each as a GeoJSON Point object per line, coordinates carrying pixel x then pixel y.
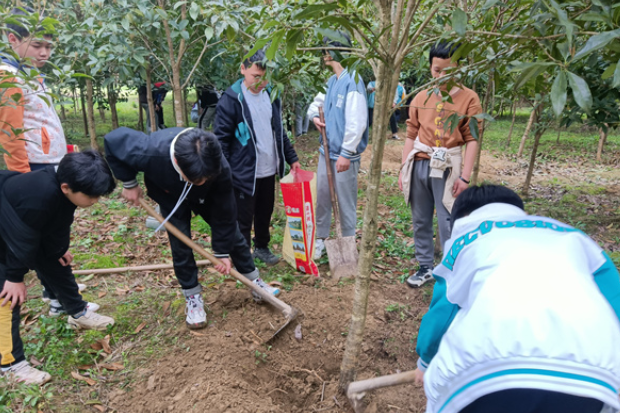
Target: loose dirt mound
{"type": "Point", "coordinates": [225, 369]}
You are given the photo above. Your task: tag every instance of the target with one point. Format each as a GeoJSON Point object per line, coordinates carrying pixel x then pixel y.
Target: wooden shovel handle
{"type": "Point", "coordinates": [280, 305]}
{"type": "Point", "coordinates": [330, 176]}
{"type": "Point", "coordinates": [362, 386]}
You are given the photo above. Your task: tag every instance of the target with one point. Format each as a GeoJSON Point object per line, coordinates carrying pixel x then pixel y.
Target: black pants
{"type": "Point", "coordinates": [370, 113]}
{"type": "Point", "coordinates": [183, 256]}
{"type": "Point", "coordinates": [257, 209]}
{"type": "Point", "coordinates": [58, 280]}
{"type": "Point", "coordinates": [394, 121]}
{"type": "Point", "coordinates": [533, 401]}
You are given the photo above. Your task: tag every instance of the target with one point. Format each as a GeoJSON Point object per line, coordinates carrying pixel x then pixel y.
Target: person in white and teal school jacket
{"type": "Point", "coordinates": [524, 316]}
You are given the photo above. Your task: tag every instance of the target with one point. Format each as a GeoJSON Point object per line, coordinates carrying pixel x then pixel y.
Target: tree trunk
{"type": "Point", "coordinates": [601, 142]}
{"type": "Point", "coordinates": [113, 111]}
{"type": "Point", "coordinates": [530, 170]}
{"type": "Point", "coordinates": [84, 112]}
{"type": "Point", "coordinates": [501, 107]}
{"type": "Point", "coordinates": [178, 96]}
{"type": "Point", "coordinates": [149, 99]}
{"type": "Point", "coordinates": [63, 114]}
{"type": "Point", "coordinates": [102, 113]}
{"type": "Point", "coordinates": [91, 114]}
{"type": "Point", "coordinates": [387, 78]}
{"type": "Point", "coordinates": [140, 118]}
{"type": "Point", "coordinates": [185, 111]}
{"type": "Point", "coordinates": [527, 132]}
{"type": "Point", "coordinates": [474, 175]}
{"type": "Point", "coordinates": [74, 102]}
{"type": "Point", "coordinates": [512, 124]}
{"type": "Point", "coordinates": [557, 140]}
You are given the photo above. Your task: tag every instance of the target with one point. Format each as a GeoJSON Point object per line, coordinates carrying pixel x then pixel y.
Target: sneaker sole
{"type": "Point", "coordinates": [196, 326]}
{"type": "Point", "coordinates": [56, 314]}
{"type": "Point", "coordinates": [416, 285]}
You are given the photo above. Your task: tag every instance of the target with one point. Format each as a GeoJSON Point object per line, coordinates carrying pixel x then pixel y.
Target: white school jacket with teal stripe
{"type": "Point", "coordinates": [520, 302]}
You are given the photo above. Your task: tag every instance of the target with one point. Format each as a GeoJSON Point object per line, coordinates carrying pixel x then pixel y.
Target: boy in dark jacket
{"type": "Point", "coordinates": [249, 127]}
{"type": "Point", "coordinates": [36, 213]}
{"type": "Point", "coordinates": [185, 172]}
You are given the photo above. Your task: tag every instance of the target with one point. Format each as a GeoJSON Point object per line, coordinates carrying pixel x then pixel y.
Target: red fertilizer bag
{"type": "Point", "coordinates": [299, 194]}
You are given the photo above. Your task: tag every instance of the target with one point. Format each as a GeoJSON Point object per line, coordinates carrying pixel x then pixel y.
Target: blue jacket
{"type": "Point", "coordinates": [234, 128]}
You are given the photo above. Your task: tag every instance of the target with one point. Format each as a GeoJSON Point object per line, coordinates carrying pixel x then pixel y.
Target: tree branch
{"type": "Point", "coordinates": [426, 21]}
{"type": "Point", "coordinates": [411, 11]}
{"type": "Point", "coordinates": [396, 22]}
{"type": "Point", "coordinates": [204, 49]}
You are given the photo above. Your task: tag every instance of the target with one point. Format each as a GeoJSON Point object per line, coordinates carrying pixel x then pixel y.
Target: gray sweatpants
{"type": "Point", "coordinates": [425, 196]}
{"type": "Point", "coordinates": [346, 189]}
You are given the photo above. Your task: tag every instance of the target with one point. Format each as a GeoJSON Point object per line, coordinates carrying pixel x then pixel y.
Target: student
{"type": "Point", "coordinates": [346, 127]}
{"type": "Point", "coordinates": [524, 316]}
{"type": "Point", "coordinates": [207, 106]}
{"type": "Point", "coordinates": [185, 172]}
{"type": "Point", "coordinates": [42, 142]}
{"type": "Point", "coordinates": [434, 184]}
{"type": "Point", "coordinates": [36, 213]}
{"type": "Point", "coordinates": [370, 90]}
{"type": "Point", "coordinates": [398, 98]}
{"type": "Point", "coordinates": [249, 127]}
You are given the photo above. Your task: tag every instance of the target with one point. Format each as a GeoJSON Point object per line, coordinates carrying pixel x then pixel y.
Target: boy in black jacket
{"type": "Point", "coordinates": [249, 127]}
{"type": "Point", "coordinates": [36, 213]}
{"type": "Point", "coordinates": [185, 172]}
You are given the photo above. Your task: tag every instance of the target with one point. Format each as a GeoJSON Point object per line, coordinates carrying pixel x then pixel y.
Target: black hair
{"type": "Point", "coordinates": [19, 25]}
{"type": "Point", "coordinates": [258, 59]}
{"type": "Point", "coordinates": [442, 50]}
{"type": "Point", "coordinates": [86, 172]}
{"type": "Point", "coordinates": [344, 41]}
{"type": "Point", "coordinates": [198, 154]}
{"type": "Point", "coordinates": [478, 196]}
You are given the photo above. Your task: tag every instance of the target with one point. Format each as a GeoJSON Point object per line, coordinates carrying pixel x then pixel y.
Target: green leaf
{"type": "Point", "coordinates": [609, 72]}
{"type": "Point", "coordinates": [293, 37]}
{"type": "Point", "coordinates": [315, 10]}
{"type": "Point", "coordinates": [194, 11]}
{"type": "Point", "coordinates": [581, 91]}
{"type": "Point", "coordinates": [459, 21]}
{"type": "Point", "coordinates": [275, 42]}
{"type": "Point", "coordinates": [489, 4]}
{"type": "Point", "coordinates": [596, 42]}
{"type": "Point", "coordinates": [209, 33]}
{"type": "Point", "coordinates": [529, 71]}
{"type": "Point", "coordinates": [473, 128]}
{"type": "Point", "coordinates": [616, 81]}
{"type": "Point", "coordinates": [558, 93]}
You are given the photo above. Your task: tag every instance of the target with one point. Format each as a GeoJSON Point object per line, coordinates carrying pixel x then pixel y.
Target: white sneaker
{"type": "Point", "coordinates": [262, 284]}
{"type": "Point", "coordinates": [90, 321]}
{"type": "Point", "coordinates": [24, 373]}
{"type": "Point", "coordinates": [57, 309]}
{"type": "Point", "coordinates": [81, 287]}
{"type": "Point", "coordinates": [195, 311]}
{"type": "Point", "coordinates": [319, 248]}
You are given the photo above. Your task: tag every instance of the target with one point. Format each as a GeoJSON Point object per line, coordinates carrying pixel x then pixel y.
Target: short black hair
{"type": "Point", "coordinates": [86, 172]}
{"type": "Point", "coordinates": [259, 59]}
{"type": "Point", "coordinates": [344, 41]}
{"type": "Point", "coordinates": [478, 196]}
{"type": "Point", "coordinates": [442, 50]}
{"type": "Point", "coordinates": [19, 25]}
{"type": "Point", "coordinates": [198, 154]}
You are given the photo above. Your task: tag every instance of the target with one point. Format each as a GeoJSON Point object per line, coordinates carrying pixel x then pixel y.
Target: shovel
{"type": "Point", "coordinates": [342, 251]}
{"type": "Point", "coordinates": [289, 313]}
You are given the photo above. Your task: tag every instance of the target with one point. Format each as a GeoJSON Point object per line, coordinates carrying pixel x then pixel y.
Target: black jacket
{"type": "Point", "coordinates": [35, 220]}
{"type": "Point", "coordinates": [235, 131]}
{"type": "Point", "coordinates": [129, 152]}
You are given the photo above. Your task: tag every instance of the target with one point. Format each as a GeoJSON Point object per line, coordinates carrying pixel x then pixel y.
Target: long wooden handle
{"type": "Point", "coordinates": [362, 386]}
{"type": "Point", "coordinates": [330, 175]}
{"type": "Point", "coordinates": [280, 305]}
{"type": "Point", "coordinates": [134, 268]}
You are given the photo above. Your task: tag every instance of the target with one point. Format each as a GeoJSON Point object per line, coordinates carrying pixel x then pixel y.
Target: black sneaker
{"type": "Point", "coordinates": [266, 256]}
{"type": "Point", "coordinates": [424, 275]}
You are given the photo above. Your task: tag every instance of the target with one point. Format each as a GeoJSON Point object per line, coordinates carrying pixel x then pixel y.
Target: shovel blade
{"type": "Point", "coordinates": [342, 254]}
{"type": "Point", "coordinates": [289, 317]}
